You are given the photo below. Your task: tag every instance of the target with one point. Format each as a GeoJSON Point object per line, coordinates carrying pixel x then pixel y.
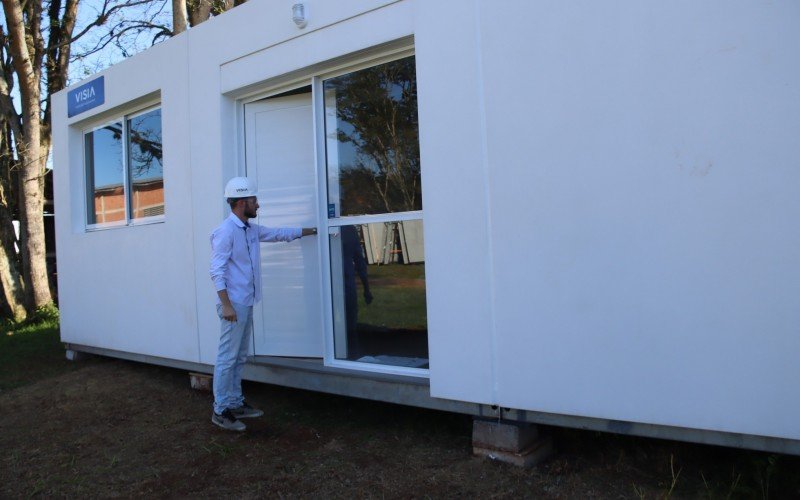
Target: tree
{"type": "Point", "coordinates": [180, 17]}
{"type": "Point", "coordinates": [10, 280]}
{"type": "Point", "coordinates": [26, 47]}
{"type": "Point", "coordinates": [187, 13]}
{"type": "Point", "coordinates": [377, 117]}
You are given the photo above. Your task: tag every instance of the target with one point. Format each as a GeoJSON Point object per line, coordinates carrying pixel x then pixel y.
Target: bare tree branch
{"type": "Point", "coordinates": [112, 36]}
{"type": "Point", "coordinates": [7, 109]}
{"type": "Point", "coordinates": [104, 15]}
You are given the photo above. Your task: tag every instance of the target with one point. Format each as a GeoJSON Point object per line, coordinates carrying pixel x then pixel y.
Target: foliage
{"type": "Point", "coordinates": [376, 110]}
{"type": "Point", "coordinates": [45, 315]}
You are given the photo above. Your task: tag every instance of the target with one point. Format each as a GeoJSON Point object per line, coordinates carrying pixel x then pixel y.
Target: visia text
{"type": "Point", "coordinates": [84, 94]}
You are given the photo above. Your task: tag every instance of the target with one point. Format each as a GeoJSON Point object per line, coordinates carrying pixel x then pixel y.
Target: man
{"type": "Point", "coordinates": [236, 272]}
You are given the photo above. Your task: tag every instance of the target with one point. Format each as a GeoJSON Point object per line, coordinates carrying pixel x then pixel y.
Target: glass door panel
{"type": "Point", "coordinates": [375, 216]}
{"type": "Point", "coordinates": [372, 140]}
{"type": "Point", "coordinates": [380, 313]}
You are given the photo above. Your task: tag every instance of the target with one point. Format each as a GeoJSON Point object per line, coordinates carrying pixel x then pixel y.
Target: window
{"type": "Point", "coordinates": [124, 170]}
{"type": "Point", "coordinates": [378, 279]}
{"type": "Point", "coordinates": [372, 139]}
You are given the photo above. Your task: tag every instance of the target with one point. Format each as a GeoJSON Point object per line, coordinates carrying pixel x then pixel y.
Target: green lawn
{"type": "Point", "coordinates": [31, 350]}
{"type": "Point", "coordinates": [398, 271]}
{"type": "Point", "coordinates": [398, 297]}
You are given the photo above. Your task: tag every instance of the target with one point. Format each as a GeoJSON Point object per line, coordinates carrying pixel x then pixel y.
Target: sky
{"type": "Point", "coordinates": [159, 11]}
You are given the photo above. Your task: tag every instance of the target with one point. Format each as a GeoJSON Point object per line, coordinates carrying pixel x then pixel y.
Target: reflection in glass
{"type": "Point", "coordinates": [144, 159]}
{"type": "Point", "coordinates": [372, 140]}
{"type": "Point", "coordinates": [378, 279]}
{"type": "Point", "coordinates": [105, 179]}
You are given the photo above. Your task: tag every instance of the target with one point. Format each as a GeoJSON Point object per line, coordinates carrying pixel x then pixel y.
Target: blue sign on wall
{"type": "Point", "coordinates": [87, 96]}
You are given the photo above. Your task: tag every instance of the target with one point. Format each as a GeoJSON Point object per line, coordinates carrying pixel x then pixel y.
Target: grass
{"type": "Point", "coordinates": [396, 271]}
{"type": "Point", "coordinates": [31, 350]}
{"type": "Point", "coordinates": [398, 297]}
{"type": "Point", "coordinates": [152, 438]}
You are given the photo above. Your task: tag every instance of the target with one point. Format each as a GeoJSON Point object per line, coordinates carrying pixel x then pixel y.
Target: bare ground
{"type": "Point", "coordinates": [114, 428]}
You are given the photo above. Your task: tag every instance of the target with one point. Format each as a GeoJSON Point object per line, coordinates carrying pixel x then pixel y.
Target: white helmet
{"type": "Point", "coordinates": [240, 187]}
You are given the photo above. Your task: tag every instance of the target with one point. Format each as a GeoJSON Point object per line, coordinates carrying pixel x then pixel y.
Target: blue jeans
{"type": "Point", "coordinates": [234, 340]}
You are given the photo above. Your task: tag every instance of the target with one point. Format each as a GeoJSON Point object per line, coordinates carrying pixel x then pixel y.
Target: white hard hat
{"type": "Point", "coordinates": [240, 187]}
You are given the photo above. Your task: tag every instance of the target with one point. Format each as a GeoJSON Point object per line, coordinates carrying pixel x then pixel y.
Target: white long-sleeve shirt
{"type": "Point", "coordinates": [236, 257]}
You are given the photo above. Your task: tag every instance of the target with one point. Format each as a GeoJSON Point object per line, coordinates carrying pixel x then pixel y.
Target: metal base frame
{"type": "Point", "coordinates": [310, 374]}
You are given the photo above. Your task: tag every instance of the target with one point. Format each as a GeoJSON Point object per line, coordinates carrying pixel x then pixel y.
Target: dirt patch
{"type": "Point", "coordinates": [115, 428]}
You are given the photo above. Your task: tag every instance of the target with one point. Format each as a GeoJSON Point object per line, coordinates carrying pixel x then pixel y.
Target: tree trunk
{"type": "Point", "coordinates": [180, 19]}
{"type": "Point", "coordinates": [13, 292]}
{"type": "Point", "coordinates": [10, 280]}
{"type": "Point", "coordinates": [199, 11]}
{"type": "Point", "coordinates": [31, 157]}
{"type": "Point", "coordinates": [32, 214]}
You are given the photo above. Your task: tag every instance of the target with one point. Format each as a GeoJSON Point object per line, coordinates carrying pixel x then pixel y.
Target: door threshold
{"type": "Point", "coordinates": [317, 365]}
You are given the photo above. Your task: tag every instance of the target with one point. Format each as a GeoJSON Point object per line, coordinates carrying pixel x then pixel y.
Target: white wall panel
{"type": "Point", "coordinates": [644, 190]}
{"type": "Point", "coordinates": [129, 288]}
{"type": "Point", "coordinates": [454, 198]}
{"type": "Point", "coordinates": [343, 34]}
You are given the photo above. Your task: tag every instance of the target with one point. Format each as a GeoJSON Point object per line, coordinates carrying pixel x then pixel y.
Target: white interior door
{"type": "Point", "coordinates": [279, 148]}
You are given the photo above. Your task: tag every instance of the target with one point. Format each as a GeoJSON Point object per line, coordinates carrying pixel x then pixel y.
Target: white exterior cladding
{"type": "Point", "coordinates": [609, 188]}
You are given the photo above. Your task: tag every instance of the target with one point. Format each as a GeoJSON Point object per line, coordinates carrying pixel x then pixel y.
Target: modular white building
{"type": "Point", "coordinates": [572, 213]}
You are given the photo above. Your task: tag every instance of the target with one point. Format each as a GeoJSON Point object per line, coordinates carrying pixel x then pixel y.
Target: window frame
{"type": "Point", "coordinates": [318, 89]}
{"type": "Point", "coordinates": [127, 184]}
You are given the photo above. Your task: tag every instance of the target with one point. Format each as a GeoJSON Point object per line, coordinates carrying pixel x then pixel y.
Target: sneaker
{"type": "Point", "coordinates": [227, 421]}
{"type": "Point", "coordinates": [246, 411]}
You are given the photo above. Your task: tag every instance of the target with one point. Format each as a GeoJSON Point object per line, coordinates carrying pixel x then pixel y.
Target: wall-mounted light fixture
{"type": "Point", "coordinates": [299, 15]}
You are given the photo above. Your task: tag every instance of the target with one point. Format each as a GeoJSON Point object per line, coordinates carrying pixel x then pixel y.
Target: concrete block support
{"type": "Point", "coordinates": [77, 355]}
{"type": "Point", "coordinates": [517, 443]}
{"type": "Point", "coordinates": [201, 381]}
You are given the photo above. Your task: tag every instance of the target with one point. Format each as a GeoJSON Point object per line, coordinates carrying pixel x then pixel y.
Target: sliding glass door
{"type": "Point", "coordinates": [375, 216]}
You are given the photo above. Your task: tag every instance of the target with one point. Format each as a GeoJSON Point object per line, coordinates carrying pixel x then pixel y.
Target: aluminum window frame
{"type": "Point", "coordinates": [128, 221]}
